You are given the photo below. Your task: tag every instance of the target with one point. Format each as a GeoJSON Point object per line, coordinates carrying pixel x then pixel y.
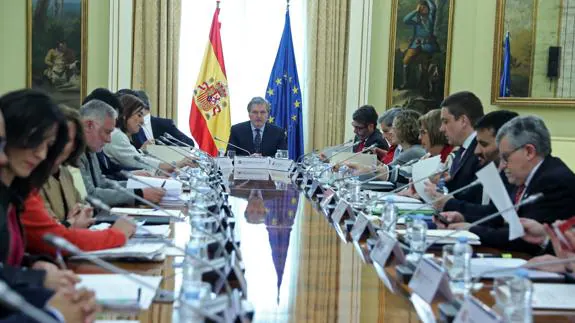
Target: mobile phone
{"type": "Point", "coordinates": [442, 219]}
{"type": "Point", "coordinates": [560, 230]}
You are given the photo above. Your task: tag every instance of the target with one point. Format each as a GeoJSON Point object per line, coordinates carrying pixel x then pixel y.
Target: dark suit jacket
{"type": "Point", "coordinates": [557, 183]}
{"type": "Point", "coordinates": [110, 169]}
{"type": "Point", "coordinates": [464, 174]}
{"type": "Point", "coordinates": [159, 127]}
{"type": "Point", "coordinates": [37, 296]}
{"type": "Point", "coordinates": [375, 138]}
{"type": "Point", "coordinates": [241, 135]}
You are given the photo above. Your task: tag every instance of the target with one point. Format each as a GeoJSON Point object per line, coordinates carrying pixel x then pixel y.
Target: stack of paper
{"type": "Point", "coordinates": [145, 212]}
{"type": "Point", "coordinates": [153, 231]}
{"type": "Point", "coordinates": [432, 235]}
{"type": "Point", "coordinates": [147, 251]}
{"type": "Point", "coordinates": [553, 296]}
{"type": "Point", "coordinates": [494, 267]}
{"type": "Point", "coordinates": [173, 188]}
{"type": "Point", "coordinates": [116, 291]}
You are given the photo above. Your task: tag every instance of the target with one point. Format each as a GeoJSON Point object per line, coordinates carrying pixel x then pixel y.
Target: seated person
{"type": "Point", "coordinates": [37, 220]}
{"type": "Point", "coordinates": [121, 150]}
{"type": "Point", "coordinates": [365, 128]}
{"type": "Point", "coordinates": [154, 127]}
{"type": "Point", "coordinates": [98, 121]}
{"type": "Point", "coordinates": [109, 169]}
{"type": "Point", "coordinates": [487, 152]}
{"type": "Point", "coordinates": [524, 145]}
{"type": "Point", "coordinates": [386, 123]}
{"type": "Point", "coordinates": [432, 140]}
{"type": "Point", "coordinates": [257, 136]}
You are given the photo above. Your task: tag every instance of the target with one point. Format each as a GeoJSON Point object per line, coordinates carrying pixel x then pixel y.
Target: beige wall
{"type": "Point", "coordinates": [13, 40]}
{"type": "Point", "coordinates": [471, 67]}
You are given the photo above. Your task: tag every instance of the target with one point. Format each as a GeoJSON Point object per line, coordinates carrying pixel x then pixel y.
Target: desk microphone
{"type": "Point", "coordinates": [230, 144]}
{"type": "Point", "coordinates": [174, 139]}
{"type": "Point", "coordinates": [348, 158]}
{"type": "Point", "coordinates": [441, 170]}
{"type": "Point", "coordinates": [341, 149]}
{"type": "Point", "coordinates": [147, 153]}
{"type": "Point", "coordinates": [386, 172]}
{"type": "Point", "coordinates": [64, 244]}
{"type": "Point", "coordinates": [528, 200]}
{"type": "Point", "coordinates": [13, 299]}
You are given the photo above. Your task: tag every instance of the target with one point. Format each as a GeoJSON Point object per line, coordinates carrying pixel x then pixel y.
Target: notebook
{"type": "Point", "coordinates": [114, 291]}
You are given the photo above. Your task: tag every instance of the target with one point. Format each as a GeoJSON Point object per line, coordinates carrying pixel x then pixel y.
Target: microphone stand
{"type": "Point", "coordinates": [229, 143]}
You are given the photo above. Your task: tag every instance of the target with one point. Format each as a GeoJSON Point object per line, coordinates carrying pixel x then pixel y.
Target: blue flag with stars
{"type": "Point", "coordinates": [284, 94]}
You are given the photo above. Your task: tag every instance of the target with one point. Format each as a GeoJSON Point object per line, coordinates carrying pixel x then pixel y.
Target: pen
{"type": "Point", "coordinates": [164, 183]}
{"type": "Point", "coordinates": [139, 293]}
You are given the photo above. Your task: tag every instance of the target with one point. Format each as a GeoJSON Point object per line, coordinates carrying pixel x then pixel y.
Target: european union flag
{"type": "Point", "coordinates": [505, 81]}
{"type": "Point", "coordinates": [284, 94]}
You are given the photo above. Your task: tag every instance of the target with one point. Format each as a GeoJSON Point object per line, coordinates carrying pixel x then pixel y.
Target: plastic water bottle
{"type": "Point", "coordinates": [193, 289]}
{"type": "Point", "coordinates": [389, 214]}
{"type": "Point", "coordinates": [418, 239]}
{"type": "Point", "coordinates": [408, 228]}
{"type": "Point", "coordinates": [460, 272]}
{"type": "Point", "coordinates": [518, 309]}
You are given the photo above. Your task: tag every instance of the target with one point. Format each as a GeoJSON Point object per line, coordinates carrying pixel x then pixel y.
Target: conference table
{"type": "Point", "coordinates": [296, 267]}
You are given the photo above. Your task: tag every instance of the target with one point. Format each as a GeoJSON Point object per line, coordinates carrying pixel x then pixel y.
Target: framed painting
{"type": "Point", "coordinates": [420, 50]}
{"type": "Point", "coordinates": [56, 53]}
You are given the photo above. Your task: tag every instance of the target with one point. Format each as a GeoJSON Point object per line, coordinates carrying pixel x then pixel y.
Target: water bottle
{"type": "Point", "coordinates": [518, 309]}
{"type": "Point", "coordinates": [418, 239]}
{"type": "Point", "coordinates": [460, 272]}
{"type": "Point", "coordinates": [408, 228]}
{"type": "Point", "coordinates": [389, 214]}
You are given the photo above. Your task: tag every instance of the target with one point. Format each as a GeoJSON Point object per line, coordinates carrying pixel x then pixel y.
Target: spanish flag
{"type": "Point", "coordinates": [210, 113]}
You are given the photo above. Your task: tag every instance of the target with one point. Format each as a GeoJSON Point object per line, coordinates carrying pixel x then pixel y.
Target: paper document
{"type": "Point", "coordinates": [483, 267]}
{"type": "Point", "coordinates": [156, 231]}
{"type": "Point", "coordinates": [434, 234]}
{"type": "Point", "coordinates": [553, 296]}
{"type": "Point", "coordinates": [493, 185]}
{"type": "Point", "coordinates": [422, 169]}
{"type": "Point", "coordinates": [118, 291]}
{"type": "Point", "coordinates": [145, 212]}
{"type": "Point", "coordinates": [146, 251]}
{"type": "Point", "coordinates": [173, 188]}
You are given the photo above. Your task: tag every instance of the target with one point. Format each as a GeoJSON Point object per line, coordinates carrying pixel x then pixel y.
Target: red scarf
{"type": "Point", "coordinates": [388, 158]}
{"type": "Point", "coordinates": [447, 149]}
{"type": "Point", "coordinates": [16, 248]}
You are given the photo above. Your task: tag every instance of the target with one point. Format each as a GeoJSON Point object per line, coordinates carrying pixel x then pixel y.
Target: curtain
{"type": "Point", "coordinates": [156, 52]}
{"type": "Point", "coordinates": [326, 74]}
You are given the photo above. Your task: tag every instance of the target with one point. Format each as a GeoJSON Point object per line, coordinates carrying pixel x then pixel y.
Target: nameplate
{"type": "Point", "coordinates": [429, 279]}
{"type": "Point", "coordinates": [283, 165]}
{"type": "Point", "coordinates": [224, 163]}
{"type": "Point", "coordinates": [359, 226]}
{"type": "Point", "coordinates": [383, 249]}
{"type": "Point", "coordinates": [423, 309]}
{"type": "Point", "coordinates": [313, 188]}
{"type": "Point", "coordinates": [328, 195]}
{"type": "Point", "coordinates": [251, 174]}
{"type": "Point", "coordinates": [339, 211]}
{"type": "Point", "coordinates": [279, 176]}
{"type": "Point", "coordinates": [473, 311]}
{"type": "Point", "coordinates": [251, 162]}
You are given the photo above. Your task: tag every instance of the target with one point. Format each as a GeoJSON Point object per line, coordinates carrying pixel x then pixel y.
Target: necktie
{"type": "Point", "coordinates": [518, 193]}
{"type": "Point", "coordinates": [258, 142]}
{"type": "Point", "coordinates": [457, 160]}
{"type": "Point", "coordinates": [361, 146]}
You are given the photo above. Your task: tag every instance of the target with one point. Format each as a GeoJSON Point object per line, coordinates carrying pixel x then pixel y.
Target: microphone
{"type": "Point", "coordinates": [529, 200]}
{"type": "Point", "coordinates": [230, 144]}
{"type": "Point", "coordinates": [13, 299]}
{"type": "Point", "coordinates": [172, 138]}
{"type": "Point", "coordinates": [348, 158]}
{"type": "Point", "coordinates": [147, 153]}
{"type": "Point", "coordinates": [341, 149]}
{"type": "Point", "coordinates": [442, 170]}
{"type": "Point", "coordinates": [64, 244]}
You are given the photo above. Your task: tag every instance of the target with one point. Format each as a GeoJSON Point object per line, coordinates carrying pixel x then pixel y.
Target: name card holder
{"type": "Point", "coordinates": [251, 162]}
{"type": "Point", "coordinates": [283, 165]}
{"type": "Point", "coordinates": [430, 279]}
{"type": "Point", "coordinates": [341, 213]}
{"type": "Point", "coordinates": [389, 283]}
{"type": "Point", "coordinates": [314, 189]}
{"type": "Point", "coordinates": [423, 309]}
{"type": "Point", "coordinates": [328, 197]}
{"type": "Point", "coordinates": [251, 174]}
{"type": "Point", "coordinates": [297, 177]}
{"type": "Point", "coordinates": [239, 273]}
{"type": "Point", "coordinates": [384, 247]}
{"type": "Point", "coordinates": [359, 227]}
{"type": "Point", "coordinates": [224, 163]}
{"type": "Point", "coordinates": [474, 311]}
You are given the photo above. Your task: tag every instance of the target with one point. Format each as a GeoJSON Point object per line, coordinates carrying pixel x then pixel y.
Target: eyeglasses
{"type": "Point", "coordinates": [505, 156]}
{"type": "Point", "coordinates": [422, 132]}
{"type": "Point", "coordinates": [358, 127]}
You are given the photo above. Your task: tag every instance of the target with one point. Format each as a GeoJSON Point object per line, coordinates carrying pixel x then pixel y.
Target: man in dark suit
{"type": "Point", "coordinates": [459, 113]}
{"type": "Point", "coordinates": [154, 127]}
{"type": "Point", "coordinates": [257, 136]}
{"type": "Point", "coordinates": [525, 152]}
{"type": "Point", "coordinates": [365, 128]}
{"type": "Point", "coordinates": [487, 152]}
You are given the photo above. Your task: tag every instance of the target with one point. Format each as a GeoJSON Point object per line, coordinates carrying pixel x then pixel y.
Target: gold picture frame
{"type": "Point", "coordinates": [419, 65]}
{"type": "Point", "coordinates": [56, 61]}
{"type": "Point", "coordinates": [498, 39]}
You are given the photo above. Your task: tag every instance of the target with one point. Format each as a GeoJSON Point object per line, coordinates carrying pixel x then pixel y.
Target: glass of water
{"type": "Point", "coordinates": [281, 154]}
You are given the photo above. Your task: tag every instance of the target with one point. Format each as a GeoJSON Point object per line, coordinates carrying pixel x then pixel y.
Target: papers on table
{"type": "Point", "coordinates": [145, 212]}
{"type": "Point", "coordinates": [422, 169]}
{"type": "Point", "coordinates": [173, 188]}
{"type": "Point", "coordinates": [141, 251]}
{"type": "Point", "coordinates": [484, 266]}
{"type": "Point", "coordinates": [119, 292]}
{"type": "Point", "coordinates": [493, 185]}
{"type": "Point", "coordinates": [435, 234]}
{"type": "Point", "coordinates": [153, 231]}
{"type": "Point", "coordinates": [553, 296]}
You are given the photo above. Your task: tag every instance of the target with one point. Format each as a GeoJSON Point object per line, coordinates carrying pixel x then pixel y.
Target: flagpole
{"type": "Point", "coordinates": [217, 4]}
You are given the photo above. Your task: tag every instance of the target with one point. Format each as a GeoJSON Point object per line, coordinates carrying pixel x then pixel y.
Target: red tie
{"type": "Point", "coordinates": [518, 193]}
{"type": "Point", "coordinates": [361, 146]}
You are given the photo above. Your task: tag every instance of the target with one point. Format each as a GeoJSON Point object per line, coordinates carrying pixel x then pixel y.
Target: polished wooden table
{"type": "Point", "coordinates": [297, 268]}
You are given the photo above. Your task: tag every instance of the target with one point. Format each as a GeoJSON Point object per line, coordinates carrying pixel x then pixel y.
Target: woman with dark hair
{"type": "Point", "coordinates": [36, 133]}
{"type": "Point", "coordinates": [59, 200]}
{"type": "Point", "coordinates": [121, 150]}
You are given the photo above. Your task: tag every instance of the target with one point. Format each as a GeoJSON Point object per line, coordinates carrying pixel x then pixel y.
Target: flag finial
{"type": "Point", "coordinates": [287, 4]}
{"type": "Point", "coordinates": [217, 3]}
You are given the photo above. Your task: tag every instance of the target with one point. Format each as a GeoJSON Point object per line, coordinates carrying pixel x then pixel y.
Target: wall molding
{"type": "Point", "coordinates": [120, 44]}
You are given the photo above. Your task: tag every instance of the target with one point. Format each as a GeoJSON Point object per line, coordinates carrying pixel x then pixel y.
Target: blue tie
{"type": "Point", "coordinates": [258, 142]}
{"type": "Point", "coordinates": [456, 160]}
